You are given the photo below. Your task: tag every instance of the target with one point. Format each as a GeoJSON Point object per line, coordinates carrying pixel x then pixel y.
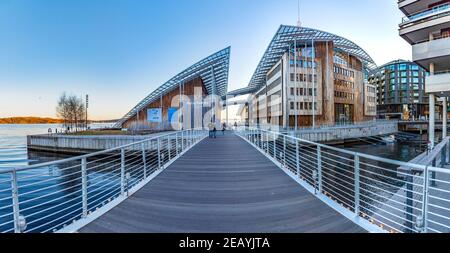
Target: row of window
{"type": "Point", "coordinates": [344, 72]}
{"type": "Point", "coordinates": [371, 89]}
{"type": "Point", "coordinates": [371, 109]}
{"type": "Point", "coordinates": [404, 74]}
{"type": "Point", "coordinates": [406, 80]}
{"type": "Point", "coordinates": [344, 95]}
{"type": "Point", "coordinates": [304, 105]}
{"type": "Point", "coordinates": [303, 78]}
{"type": "Point", "coordinates": [371, 99]}
{"type": "Point", "coordinates": [304, 92]}
{"type": "Point", "coordinates": [393, 87]}
{"type": "Point", "coordinates": [303, 64]}
{"type": "Point", "coordinates": [344, 84]}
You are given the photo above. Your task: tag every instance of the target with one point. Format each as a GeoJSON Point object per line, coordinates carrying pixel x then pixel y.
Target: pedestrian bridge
{"type": "Point", "coordinates": [222, 185]}
{"type": "Point", "coordinates": [251, 180]}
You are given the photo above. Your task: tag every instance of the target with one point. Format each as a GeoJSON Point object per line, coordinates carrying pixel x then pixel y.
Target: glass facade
{"type": "Point", "coordinates": [400, 85]}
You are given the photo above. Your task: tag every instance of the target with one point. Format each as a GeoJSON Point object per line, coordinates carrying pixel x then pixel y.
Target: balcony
{"type": "Point", "coordinates": [418, 26]}
{"type": "Point", "coordinates": [408, 6]}
{"type": "Point", "coordinates": [438, 84]}
{"type": "Point", "coordinates": [437, 51]}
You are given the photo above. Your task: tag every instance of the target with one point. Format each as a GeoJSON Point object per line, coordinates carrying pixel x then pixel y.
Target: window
{"type": "Point", "coordinates": [402, 67]}
{"type": "Point", "coordinates": [292, 105]}
{"type": "Point", "coordinates": [292, 91]}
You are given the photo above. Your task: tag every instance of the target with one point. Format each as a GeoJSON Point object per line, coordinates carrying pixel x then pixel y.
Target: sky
{"type": "Point", "coordinates": [119, 51]}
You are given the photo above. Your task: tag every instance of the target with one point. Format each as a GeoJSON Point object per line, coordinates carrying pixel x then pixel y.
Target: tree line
{"type": "Point", "coordinates": [72, 110]}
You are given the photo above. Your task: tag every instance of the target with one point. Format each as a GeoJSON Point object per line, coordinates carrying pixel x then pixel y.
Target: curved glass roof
{"type": "Point", "coordinates": [285, 37]}
{"type": "Point", "coordinates": [213, 70]}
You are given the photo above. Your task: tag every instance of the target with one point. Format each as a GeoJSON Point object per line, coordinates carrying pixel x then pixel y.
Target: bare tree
{"type": "Point", "coordinates": [71, 109]}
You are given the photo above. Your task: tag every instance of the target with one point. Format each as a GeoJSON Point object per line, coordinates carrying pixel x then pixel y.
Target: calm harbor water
{"type": "Point", "coordinates": [42, 189]}
{"type": "Point", "coordinates": [400, 151]}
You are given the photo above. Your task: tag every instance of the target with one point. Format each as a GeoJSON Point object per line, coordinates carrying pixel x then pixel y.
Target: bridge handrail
{"type": "Point", "coordinates": [332, 126]}
{"type": "Point", "coordinates": [373, 191]}
{"type": "Point", "coordinates": [49, 196]}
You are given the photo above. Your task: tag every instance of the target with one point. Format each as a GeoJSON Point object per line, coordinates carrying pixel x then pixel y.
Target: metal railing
{"type": "Point", "coordinates": [377, 193]}
{"type": "Point", "coordinates": [328, 126]}
{"type": "Point", "coordinates": [49, 196]}
{"type": "Point", "coordinates": [425, 14]}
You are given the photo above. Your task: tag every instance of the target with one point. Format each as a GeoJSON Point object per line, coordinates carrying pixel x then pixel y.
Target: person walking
{"type": "Point", "coordinates": [214, 131]}
{"type": "Point", "coordinates": [224, 127]}
{"type": "Point", "coordinates": [235, 125]}
{"type": "Point", "coordinates": [211, 129]}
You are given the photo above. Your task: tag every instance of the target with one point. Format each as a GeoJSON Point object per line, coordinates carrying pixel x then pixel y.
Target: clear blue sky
{"type": "Point", "coordinates": [118, 51]}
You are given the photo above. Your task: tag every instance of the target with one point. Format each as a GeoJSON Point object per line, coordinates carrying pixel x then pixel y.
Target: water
{"type": "Point", "coordinates": [13, 143]}
{"type": "Point", "coordinates": [46, 193]}
{"type": "Point", "coordinates": [400, 151]}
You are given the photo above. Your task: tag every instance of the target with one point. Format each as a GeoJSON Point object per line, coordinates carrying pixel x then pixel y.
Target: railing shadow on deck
{"type": "Point", "coordinates": [365, 188]}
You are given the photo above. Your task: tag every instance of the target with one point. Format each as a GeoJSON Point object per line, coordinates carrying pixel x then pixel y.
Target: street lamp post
{"type": "Point", "coordinates": [87, 106]}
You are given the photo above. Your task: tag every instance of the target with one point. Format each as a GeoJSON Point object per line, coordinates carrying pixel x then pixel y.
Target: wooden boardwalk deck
{"type": "Point", "coordinates": [222, 185]}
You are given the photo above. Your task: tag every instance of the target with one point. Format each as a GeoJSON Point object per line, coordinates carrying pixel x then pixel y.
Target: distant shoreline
{"type": "Point", "coordinates": [38, 120]}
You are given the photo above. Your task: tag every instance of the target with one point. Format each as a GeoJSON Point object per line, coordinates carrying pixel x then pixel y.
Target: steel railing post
{"type": "Point", "coordinates": [15, 200]}
{"type": "Point", "coordinates": [433, 174]}
{"type": "Point", "coordinates": [448, 149]}
{"type": "Point", "coordinates": [122, 171]}
{"type": "Point", "coordinates": [357, 184]}
{"type": "Point", "coordinates": [443, 151]}
{"type": "Point", "coordinates": [409, 201]}
{"type": "Point", "coordinates": [168, 146]}
{"type": "Point", "coordinates": [144, 159]}
{"type": "Point", "coordinates": [319, 168]}
{"type": "Point", "coordinates": [84, 186]}
{"type": "Point", "coordinates": [425, 199]}
{"type": "Point", "coordinates": [284, 150]}
{"type": "Point", "coordinates": [267, 143]}
{"type": "Point", "coordinates": [159, 154]}
{"type": "Point", "coordinates": [188, 141]}
{"type": "Point", "coordinates": [297, 158]}
{"type": "Point", "coordinates": [176, 143]}
{"type": "Point", "coordinates": [261, 139]}
{"type": "Point", "coordinates": [182, 141]}
{"type": "Point", "coordinates": [274, 146]}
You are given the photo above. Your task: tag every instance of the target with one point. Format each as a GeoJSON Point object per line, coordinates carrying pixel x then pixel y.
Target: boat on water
{"type": "Point", "coordinates": [389, 139]}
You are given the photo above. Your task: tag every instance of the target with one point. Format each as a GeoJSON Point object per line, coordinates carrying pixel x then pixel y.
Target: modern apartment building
{"type": "Point", "coordinates": [426, 26]}
{"type": "Point", "coordinates": [308, 78]}
{"type": "Point", "coordinates": [400, 87]}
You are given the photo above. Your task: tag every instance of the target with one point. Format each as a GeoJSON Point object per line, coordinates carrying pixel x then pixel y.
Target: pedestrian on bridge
{"type": "Point", "coordinates": [224, 127]}
{"type": "Point", "coordinates": [211, 128]}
